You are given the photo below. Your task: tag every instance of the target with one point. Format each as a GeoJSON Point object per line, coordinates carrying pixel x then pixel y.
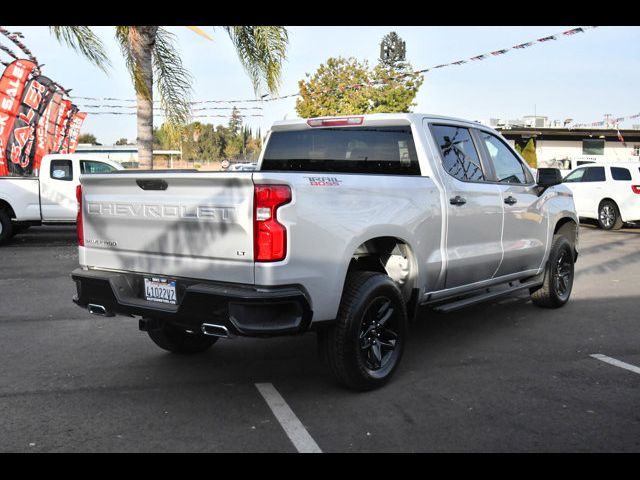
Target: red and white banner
{"type": "Point", "coordinates": [21, 142]}
{"type": "Point", "coordinates": [74, 130]}
{"type": "Point", "coordinates": [45, 130]}
{"type": "Point", "coordinates": [64, 146]}
{"type": "Point", "coordinates": [61, 125]}
{"type": "Point", "coordinates": [12, 85]}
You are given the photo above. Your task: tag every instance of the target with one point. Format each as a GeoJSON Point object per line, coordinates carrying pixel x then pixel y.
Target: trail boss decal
{"type": "Point", "coordinates": [324, 181]}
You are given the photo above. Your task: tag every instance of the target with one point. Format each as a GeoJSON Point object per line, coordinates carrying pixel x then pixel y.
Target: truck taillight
{"type": "Point", "coordinates": [79, 226]}
{"type": "Point", "coordinates": [269, 236]}
{"type": "Point", "coordinates": [635, 188]}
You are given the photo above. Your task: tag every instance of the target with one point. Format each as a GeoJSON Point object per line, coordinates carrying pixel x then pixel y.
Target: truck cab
{"type": "Point", "coordinates": [59, 175]}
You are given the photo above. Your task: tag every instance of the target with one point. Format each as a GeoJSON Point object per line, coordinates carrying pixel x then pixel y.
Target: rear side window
{"type": "Point", "coordinates": [459, 156]}
{"type": "Point", "coordinates": [619, 173]}
{"type": "Point", "coordinates": [594, 174]}
{"type": "Point", "coordinates": [61, 170]}
{"type": "Point", "coordinates": [378, 150]}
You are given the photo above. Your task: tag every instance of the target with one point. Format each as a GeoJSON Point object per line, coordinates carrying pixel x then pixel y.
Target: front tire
{"type": "Point", "coordinates": [609, 216]}
{"type": "Point", "coordinates": [558, 276]}
{"type": "Point", "coordinates": [177, 340]}
{"type": "Point", "coordinates": [364, 347]}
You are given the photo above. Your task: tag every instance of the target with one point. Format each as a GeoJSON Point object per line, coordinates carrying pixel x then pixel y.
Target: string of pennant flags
{"type": "Point", "coordinates": [105, 106]}
{"type": "Point", "coordinates": [192, 116]}
{"type": "Point", "coordinates": [484, 56]}
{"type": "Point", "coordinates": [158, 108]}
{"type": "Point", "coordinates": [614, 121]}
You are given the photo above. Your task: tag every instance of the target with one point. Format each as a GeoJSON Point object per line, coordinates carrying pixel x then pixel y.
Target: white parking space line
{"type": "Point", "coordinates": [288, 420]}
{"type": "Point", "coordinates": [617, 363]}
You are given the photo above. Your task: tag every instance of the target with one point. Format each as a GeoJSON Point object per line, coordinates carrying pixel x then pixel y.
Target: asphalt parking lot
{"type": "Point", "coordinates": [499, 377]}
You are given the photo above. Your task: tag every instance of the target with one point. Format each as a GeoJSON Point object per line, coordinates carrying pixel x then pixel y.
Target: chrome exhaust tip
{"type": "Point", "coordinates": [99, 310]}
{"type": "Point", "coordinates": [214, 330]}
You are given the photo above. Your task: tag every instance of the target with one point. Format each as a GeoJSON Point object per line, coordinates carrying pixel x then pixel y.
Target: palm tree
{"type": "Point", "coordinates": [152, 58]}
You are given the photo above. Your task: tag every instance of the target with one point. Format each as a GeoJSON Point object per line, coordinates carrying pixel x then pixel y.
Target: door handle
{"type": "Point", "coordinates": [457, 200]}
{"type": "Point", "coordinates": [510, 200]}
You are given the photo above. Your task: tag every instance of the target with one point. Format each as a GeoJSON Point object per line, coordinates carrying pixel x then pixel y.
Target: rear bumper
{"type": "Point", "coordinates": [244, 310]}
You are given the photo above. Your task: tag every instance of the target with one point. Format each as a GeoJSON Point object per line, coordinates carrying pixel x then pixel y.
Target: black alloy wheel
{"type": "Point", "coordinates": [378, 334]}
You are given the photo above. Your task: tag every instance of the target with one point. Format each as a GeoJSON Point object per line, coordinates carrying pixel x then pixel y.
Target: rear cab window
{"type": "Point", "coordinates": [373, 150]}
{"type": "Point", "coordinates": [61, 170]}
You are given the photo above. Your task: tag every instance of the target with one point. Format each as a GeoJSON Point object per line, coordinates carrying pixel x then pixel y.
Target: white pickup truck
{"type": "Point", "coordinates": [50, 197]}
{"type": "Point", "coordinates": [346, 227]}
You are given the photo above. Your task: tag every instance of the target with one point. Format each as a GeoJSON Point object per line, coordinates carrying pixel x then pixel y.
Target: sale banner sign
{"type": "Point", "coordinates": [12, 86]}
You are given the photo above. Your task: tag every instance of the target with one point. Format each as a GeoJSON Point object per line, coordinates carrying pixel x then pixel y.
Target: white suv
{"type": "Point", "coordinates": [609, 193]}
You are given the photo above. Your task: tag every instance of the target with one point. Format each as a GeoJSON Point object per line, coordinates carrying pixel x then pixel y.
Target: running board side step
{"type": "Point", "coordinates": [486, 294]}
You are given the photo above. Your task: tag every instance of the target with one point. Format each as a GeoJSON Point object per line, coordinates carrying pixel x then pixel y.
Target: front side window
{"type": "Point", "coordinates": [61, 170]}
{"type": "Point", "coordinates": [594, 174]}
{"type": "Point", "coordinates": [619, 173]}
{"type": "Point", "coordinates": [506, 165]}
{"type": "Point", "coordinates": [89, 166]}
{"type": "Point", "coordinates": [591, 146]}
{"type": "Point", "coordinates": [575, 176]}
{"type": "Point", "coordinates": [459, 156]}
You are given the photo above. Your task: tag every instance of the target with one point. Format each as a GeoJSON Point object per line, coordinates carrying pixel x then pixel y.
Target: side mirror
{"type": "Point", "coordinates": [548, 177]}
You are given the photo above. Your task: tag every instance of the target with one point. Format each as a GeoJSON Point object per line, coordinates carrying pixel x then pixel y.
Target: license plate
{"type": "Point", "coordinates": [160, 290]}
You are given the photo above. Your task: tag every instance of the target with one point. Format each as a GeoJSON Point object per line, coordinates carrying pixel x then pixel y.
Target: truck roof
{"type": "Point", "coordinates": [374, 119]}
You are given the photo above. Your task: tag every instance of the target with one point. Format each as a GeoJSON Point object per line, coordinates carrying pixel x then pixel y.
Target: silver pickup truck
{"type": "Point", "coordinates": [347, 226]}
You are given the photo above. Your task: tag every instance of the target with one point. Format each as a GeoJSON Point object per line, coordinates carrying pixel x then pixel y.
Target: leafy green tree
{"type": "Point", "coordinates": [347, 87]}
{"type": "Point", "coordinates": [122, 141]}
{"type": "Point", "coordinates": [88, 138]}
{"type": "Point", "coordinates": [152, 58]}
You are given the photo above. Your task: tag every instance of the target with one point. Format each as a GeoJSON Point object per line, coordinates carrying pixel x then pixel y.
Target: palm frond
{"type": "Point", "coordinates": [83, 40]}
{"type": "Point", "coordinates": [262, 51]}
{"type": "Point", "coordinates": [127, 38]}
{"type": "Point", "coordinates": [172, 79]}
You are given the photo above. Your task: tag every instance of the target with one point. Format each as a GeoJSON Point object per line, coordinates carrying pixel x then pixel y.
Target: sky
{"type": "Point", "coordinates": [582, 76]}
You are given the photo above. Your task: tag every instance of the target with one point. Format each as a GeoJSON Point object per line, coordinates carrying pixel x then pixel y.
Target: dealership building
{"type": "Point", "coordinates": [563, 147]}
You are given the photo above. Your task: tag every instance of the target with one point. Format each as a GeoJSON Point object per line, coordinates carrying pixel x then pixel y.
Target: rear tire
{"type": "Point", "coordinates": [177, 340]}
{"type": "Point", "coordinates": [6, 227]}
{"type": "Point", "coordinates": [609, 216]}
{"type": "Point", "coordinates": [558, 276]}
{"type": "Point", "coordinates": [364, 347]}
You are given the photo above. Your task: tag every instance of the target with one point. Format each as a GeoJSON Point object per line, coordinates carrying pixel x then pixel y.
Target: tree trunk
{"type": "Point", "coordinates": [142, 42]}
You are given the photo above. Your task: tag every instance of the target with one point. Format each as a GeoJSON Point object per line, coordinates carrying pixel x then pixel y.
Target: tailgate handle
{"type": "Point", "coordinates": [152, 184]}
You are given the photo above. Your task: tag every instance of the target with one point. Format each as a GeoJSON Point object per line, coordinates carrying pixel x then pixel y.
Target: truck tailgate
{"type": "Point", "coordinates": [194, 225]}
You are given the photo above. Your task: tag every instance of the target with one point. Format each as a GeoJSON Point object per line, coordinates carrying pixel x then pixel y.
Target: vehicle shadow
{"type": "Point", "coordinates": [436, 340]}
{"type": "Point", "coordinates": [49, 235]}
